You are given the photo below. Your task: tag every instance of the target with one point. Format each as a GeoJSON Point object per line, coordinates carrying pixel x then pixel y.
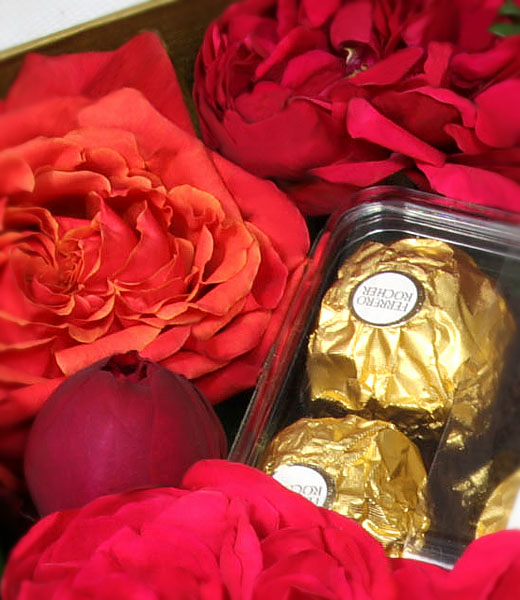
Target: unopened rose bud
{"type": "Point", "coordinates": [120, 424]}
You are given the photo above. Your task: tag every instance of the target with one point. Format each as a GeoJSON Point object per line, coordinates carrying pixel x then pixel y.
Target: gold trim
{"type": "Point", "coordinates": [60, 35]}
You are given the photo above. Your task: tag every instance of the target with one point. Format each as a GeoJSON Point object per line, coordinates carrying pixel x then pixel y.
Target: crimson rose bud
{"type": "Point", "coordinates": [123, 423]}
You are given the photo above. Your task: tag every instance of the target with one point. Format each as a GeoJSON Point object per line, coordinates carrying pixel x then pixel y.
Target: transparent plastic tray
{"type": "Point", "coordinates": [386, 214]}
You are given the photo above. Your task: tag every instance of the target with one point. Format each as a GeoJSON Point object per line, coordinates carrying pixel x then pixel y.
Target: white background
{"type": "Point", "coordinates": [23, 21]}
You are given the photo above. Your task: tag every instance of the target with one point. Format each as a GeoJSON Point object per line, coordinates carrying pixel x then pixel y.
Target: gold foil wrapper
{"type": "Point", "coordinates": [497, 512]}
{"type": "Point", "coordinates": [366, 470]}
{"type": "Point", "coordinates": [410, 333]}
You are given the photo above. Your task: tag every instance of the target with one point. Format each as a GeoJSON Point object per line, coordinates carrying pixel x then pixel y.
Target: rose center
{"type": "Point", "coordinates": [358, 57]}
{"type": "Point", "coordinates": [69, 265]}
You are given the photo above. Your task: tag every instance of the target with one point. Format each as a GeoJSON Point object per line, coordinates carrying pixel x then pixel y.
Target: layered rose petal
{"type": "Point", "coordinates": [498, 118]}
{"type": "Point", "coordinates": [364, 121]}
{"type": "Point", "coordinates": [123, 232]}
{"type": "Point", "coordinates": [474, 185]}
{"type": "Point", "coordinates": [412, 82]}
{"type": "Point", "coordinates": [230, 532]}
{"type": "Point", "coordinates": [489, 569]}
{"type": "Point", "coordinates": [141, 64]}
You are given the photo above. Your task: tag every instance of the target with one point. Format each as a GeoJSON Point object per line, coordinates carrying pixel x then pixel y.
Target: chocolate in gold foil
{"type": "Point", "coordinates": [502, 510]}
{"type": "Point", "coordinates": [410, 332]}
{"type": "Point", "coordinates": [365, 470]}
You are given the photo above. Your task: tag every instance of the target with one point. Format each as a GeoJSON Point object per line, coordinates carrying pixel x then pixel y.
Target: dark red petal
{"type": "Point", "coordinates": [361, 174]}
{"type": "Point", "coordinates": [364, 121]}
{"type": "Point", "coordinates": [352, 23]}
{"type": "Point", "coordinates": [474, 185]}
{"type": "Point", "coordinates": [390, 69]}
{"type": "Point", "coordinates": [498, 116]}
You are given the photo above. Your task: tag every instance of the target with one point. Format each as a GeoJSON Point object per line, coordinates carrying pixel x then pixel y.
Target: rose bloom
{"type": "Point", "coordinates": [121, 231]}
{"type": "Point", "coordinates": [329, 96]}
{"type": "Point", "coordinates": [231, 533]}
{"type": "Point", "coordinates": [488, 570]}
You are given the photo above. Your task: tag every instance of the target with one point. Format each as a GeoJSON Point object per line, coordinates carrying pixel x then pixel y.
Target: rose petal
{"type": "Point", "coordinates": [21, 404]}
{"type": "Point", "coordinates": [266, 98]}
{"type": "Point", "coordinates": [352, 23]}
{"type": "Point", "coordinates": [361, 174]}
{"type": "Point", "coordinates": [141, 63]}
{"type": "Point", "coordinates": [166, 343]}
{"type": "Point", "coordinates": [50, 118]}
{"type": "Point", "coordinates": [271, 216]}
{"type": "Point", "coordinates": [242, 372]}
{"type": "Point", "coordinates": [364, 121]}
{"type": "Point", "coordinates": [24, 365]}
{"type": "Point", "coordinates": [317, 12]}
{"type": "Point", "coordinates": [210, 324]}
{"type": "Point", "coordinates": [195, 185]}
{"type": "Point", "coordinates": [115, 234]}
{"type": "Point", "coordinates": [75, 358]}
{"type": "Point", "coordinates": [271, 279]}
{"type": "Point", "coordinates": [474, 24]}
{"type": "Point", "coordinates": [415, 578]}
{"type": "Point", "coordinates": [297, 41]}
{"type": "Point", "coordinates": [87, 331]}
{"type": "Point", "coordinates": [419, 113]}
{"type": "Point", "coordinates": [240, 554]}
{"type": "Point", "coordinates": [311, 72]}
{"type": "Point", "coordinates": [219, 299]}
{"type": "Point", "coordinates": [17, 176]}
{"type": "Point", "coordinates": [313, 132]}
{"type": "Point", "coordinates": [437, 63]}
{"type": "Point", "coordinates": [465, 138]}
{"type": "Point", "coordinates": [498, 117]}
{"type": "Point", "coordinates": [103, 139]}
{"type": "Point", "coordinates": [504, 162]}
{"type": "Point", "coordinates": [50, 186]}
{"type": "Point", "coordinates": [192, 365]}
{"type": "Point", "coordinates": [45, 152]}
{"type": "Point", "coordinates": [235, 479]}
{"type": "Point", "coordinates": [390, 69]}
{"type": "Point", "coordinates": [500, 61]}
{"type": "Point", "coordinates": [239, 337]}
{"type": "Point", "coordinates": [474, 185]}
{"type": "Point", "coordinates": [318, 197]}
{"type": "Point", "coordinates": [152, 251]}
{"type": "Point", "coordinates": [465, 107]}
{"type": "Point", "coordinates": [229, 254]}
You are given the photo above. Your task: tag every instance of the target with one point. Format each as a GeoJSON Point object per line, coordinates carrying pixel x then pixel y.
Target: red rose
{"type": "Point", "coordinates": [329, 96]}
{"type": "Point", "coordinates": [121, 231]}
{"type": "Point", "coordinates": [488, 570]}
{"type": "Point", "coordinates": [232, 533]}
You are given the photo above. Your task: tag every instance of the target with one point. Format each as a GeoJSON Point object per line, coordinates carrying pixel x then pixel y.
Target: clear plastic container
{"type": "Point", "coordinates": [465, 458]}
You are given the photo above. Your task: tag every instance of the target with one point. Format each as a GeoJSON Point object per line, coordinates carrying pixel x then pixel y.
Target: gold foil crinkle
{"type": "Point", "coordinates": [497, 511]}
{"type": "Point", "coordinates": [445, 355]}
{"type": "Point", "coordinates": [374, 472]}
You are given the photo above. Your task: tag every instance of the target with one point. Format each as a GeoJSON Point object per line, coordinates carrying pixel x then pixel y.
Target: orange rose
{"type": "Point", "coordinates": [121, 231]}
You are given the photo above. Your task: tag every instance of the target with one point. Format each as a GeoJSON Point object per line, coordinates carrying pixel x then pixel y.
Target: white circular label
{"type": "Point", "coordinates": [306, 481]}
{"type": "Point", "coordinates": [386, 298]}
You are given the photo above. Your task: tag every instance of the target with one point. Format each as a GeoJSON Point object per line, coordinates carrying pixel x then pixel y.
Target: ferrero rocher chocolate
{"type": "Point", "coordinates": [408, 333]}
{"type": "Point", "coordinates": [502, 510]}
{"type": "Point", "coordinates": [366, 470]}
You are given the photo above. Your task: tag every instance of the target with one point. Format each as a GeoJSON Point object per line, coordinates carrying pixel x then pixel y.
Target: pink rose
{"type": "Point", "coordinates": [330, 96]}
{"type": "Point", "coordinates": [121, 231]}
{"type": "Point", "coordinates": [232, 533]}
{"type": "Point", "coordinates": [488, 570]}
